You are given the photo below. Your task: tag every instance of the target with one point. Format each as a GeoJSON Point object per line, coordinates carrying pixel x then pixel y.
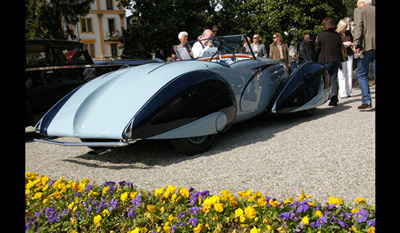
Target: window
{"type": "Point", "coordinates": [109, 4]}
{"type": "Point", "coordinates": [111, 25]}
{"type": "Point", "coordinates": [114, 50]}
{"type": "Point", "coordinates": [86, 25]}
{"type": "Point", "coordinates": [90, 49]}
{"type": "Point", "coordinates": [35, 55]}
{"type": "Point", "coordinates": [66, 54]}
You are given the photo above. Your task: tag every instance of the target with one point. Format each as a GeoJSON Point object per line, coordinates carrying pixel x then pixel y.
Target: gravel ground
{"type": "Point", "coordinates": [331, 153]}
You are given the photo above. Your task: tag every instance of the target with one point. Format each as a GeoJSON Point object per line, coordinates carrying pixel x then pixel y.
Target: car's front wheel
{"type": "Point", "coordinates": [193, 145]}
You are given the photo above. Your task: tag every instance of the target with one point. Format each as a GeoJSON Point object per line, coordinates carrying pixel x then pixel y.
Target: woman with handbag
{"type": "Point", "coordinates": [329, 47]}
{"type": "Point", "coordinates": [345, 74]}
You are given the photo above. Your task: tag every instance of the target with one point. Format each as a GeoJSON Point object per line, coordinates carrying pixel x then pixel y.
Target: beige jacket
{"type": "Point", "coordinates": [274, 52]}
{"type": "Point", "coordinates": [364, 31]}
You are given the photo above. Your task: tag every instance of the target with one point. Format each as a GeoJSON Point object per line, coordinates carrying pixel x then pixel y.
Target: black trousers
{"type": "Point", "coordinates": [333, 68]}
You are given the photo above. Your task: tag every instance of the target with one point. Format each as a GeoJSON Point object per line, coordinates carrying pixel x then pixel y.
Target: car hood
{"type": "Point", "coordinates": [103, 107]}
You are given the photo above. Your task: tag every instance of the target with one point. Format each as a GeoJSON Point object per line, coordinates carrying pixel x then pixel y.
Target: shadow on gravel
{"type": "Point", "coordinates": [149, 153]}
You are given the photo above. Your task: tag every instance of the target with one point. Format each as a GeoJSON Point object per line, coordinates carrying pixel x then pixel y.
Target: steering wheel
{"type": "Point", "coordinates": [219, 55]}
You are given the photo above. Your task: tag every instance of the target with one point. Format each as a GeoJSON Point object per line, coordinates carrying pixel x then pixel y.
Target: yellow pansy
{"type": "Point", "coordinates": [73, 220]}
{"type": "Point", "coordinates": [172, 217]}
{"type": "Point", "coordinates": [124, 196]}
{"type": "Point", "coordinates": [238, 212]}
{"type": "Point", "coordinates": [71, 205]}
{"type": "Point", "coordinates": [245, 194]}
{"type": "Point", "coordinates": [255, 230]}
{"type": "Point", "coordinates": [273, 203]}
{"type": "Point", "coordinates": [167, 227]}
{"type": "Point", "coordinates": [44, 180]}
{"type": "Point", "coordinates": [219, 207]}
{"type": "Point", "coordinates": [96, 219]}
{"type": "Point", "coordinates": [305, 220]}
{"type": "Point", "coordinates": [169, 191]}
{"type": "Point", "coordinates": [319, 213]}
{"type": "Point", "coordinates": [199, 228]}
{"type": "Point", "coordinates": [85, 180]}
{"type": "Point", "coordinates": [150, 208]}
{"type": "Point", "coordinates": [288, 201]}
{"type": "Point", "coordinates": [361, 200]}
{"type": "Point", "coordinates": [132, 195]}
{"type": "Point", "coordinates": [226, 195]}
{"type": "Point", "coordinates": [335, 201]}
{"type": "Point", "coordinates": [158, 192]}
{"type": "Point", "coordinates": [206, 208]}
{"type": "Point", "coordinates": [37, 195]}
{"type": "Point", "coordinates": [262, 201]}
{"type": "Point", "coordinates": [184, 192]}
{"type": "Point", "coordinates": [250, 212]}
{"type": "Point", "coordinates": [105, 213]}
{"type": "Point", "coordinates": [303, 195]}
{"type": "Point", "coordinates": [136, 230]}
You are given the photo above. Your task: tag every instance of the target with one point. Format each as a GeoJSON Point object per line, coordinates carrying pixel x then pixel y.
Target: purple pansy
{"type": "Point", "coordinates": [136, 202]}
{"type": "Point", "coordinates": [303, 207]}
{"type": "Point", "coordinates": [321, 221]}
{"type": "Point", "coordinates": [361, 216]}
{"type": "Point", "coordinates": [131, 213]}
{"type": "Point", "coordinates": [284, 216]}
{"type": "Point", "coordinates": [194, 210]}
{"type": "Point", "coordinates": [181, 215]}
{"type": "Point", "coordinates": [193, 221]}
{"type": "Point", "coordinates": [113, 204]}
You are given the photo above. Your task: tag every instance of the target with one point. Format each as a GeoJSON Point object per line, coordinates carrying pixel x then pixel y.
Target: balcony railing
{"type": "Point", "coordinates": [113, 35]}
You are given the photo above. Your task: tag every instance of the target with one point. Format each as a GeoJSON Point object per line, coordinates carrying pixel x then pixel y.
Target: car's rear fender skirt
{"type": "Point", "coordinates": [201, 96]}
{"type": "Point", "coordinates": [306, 88]}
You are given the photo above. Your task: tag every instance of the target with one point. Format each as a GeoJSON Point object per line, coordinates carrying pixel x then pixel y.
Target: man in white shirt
{"type": "Point", "coordinates": [200, 47]}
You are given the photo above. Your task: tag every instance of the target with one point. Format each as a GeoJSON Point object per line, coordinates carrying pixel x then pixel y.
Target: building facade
{"type": "Point", "coordinates": [101, 29]}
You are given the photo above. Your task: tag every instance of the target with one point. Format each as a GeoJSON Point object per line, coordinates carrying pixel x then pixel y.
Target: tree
{"type": "Point", "coordinates": [269, 16]}
{"type": "Point", "coordinates": [159, 23]}
{"type": "Point", "coordinates": [44, 18]}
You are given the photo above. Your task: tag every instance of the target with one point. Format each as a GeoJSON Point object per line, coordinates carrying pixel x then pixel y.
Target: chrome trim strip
{"type": "Point", "coordinates": [62, 67]}
{"type": "Point", "coordinates": [89, 144]}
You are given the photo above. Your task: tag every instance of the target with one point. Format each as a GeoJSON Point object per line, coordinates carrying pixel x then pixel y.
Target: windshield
{"type": "Point", "coordinates": [221, 48]}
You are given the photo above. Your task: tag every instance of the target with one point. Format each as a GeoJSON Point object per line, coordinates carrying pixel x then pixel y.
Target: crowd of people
{"type": "Point", "coordinates": [335, 48]}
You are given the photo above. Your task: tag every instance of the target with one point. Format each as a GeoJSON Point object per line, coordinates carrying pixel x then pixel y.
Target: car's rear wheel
{"type": "Point", "coordinates": [193, 145]}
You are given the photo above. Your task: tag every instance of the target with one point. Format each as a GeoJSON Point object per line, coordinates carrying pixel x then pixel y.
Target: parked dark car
{"type": "Point", "coordinates": [53, 68]}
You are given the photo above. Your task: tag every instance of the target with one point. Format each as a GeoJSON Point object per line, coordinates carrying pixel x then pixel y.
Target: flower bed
{"type": "Point", "coordinates": [78, 206]}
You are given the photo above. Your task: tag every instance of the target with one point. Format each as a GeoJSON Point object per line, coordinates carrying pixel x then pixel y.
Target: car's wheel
{"type": "Point", "coordinates": [308, 112]}
{"type": "Point", "coordinates": [28, 115]}
{"type": "Point", "coordinates": [193, 145]}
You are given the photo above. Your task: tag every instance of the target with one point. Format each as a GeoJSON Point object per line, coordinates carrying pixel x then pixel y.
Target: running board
{"type": "Point", "coordinates": [88, 144]}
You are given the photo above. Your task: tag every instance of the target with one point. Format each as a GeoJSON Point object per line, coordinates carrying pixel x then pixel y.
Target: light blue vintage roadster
{"type": "Point", "coordinates": [187, 101]}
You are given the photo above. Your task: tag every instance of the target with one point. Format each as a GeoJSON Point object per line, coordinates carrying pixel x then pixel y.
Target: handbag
{"type": "Point", "coordinates": [344, 53]}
